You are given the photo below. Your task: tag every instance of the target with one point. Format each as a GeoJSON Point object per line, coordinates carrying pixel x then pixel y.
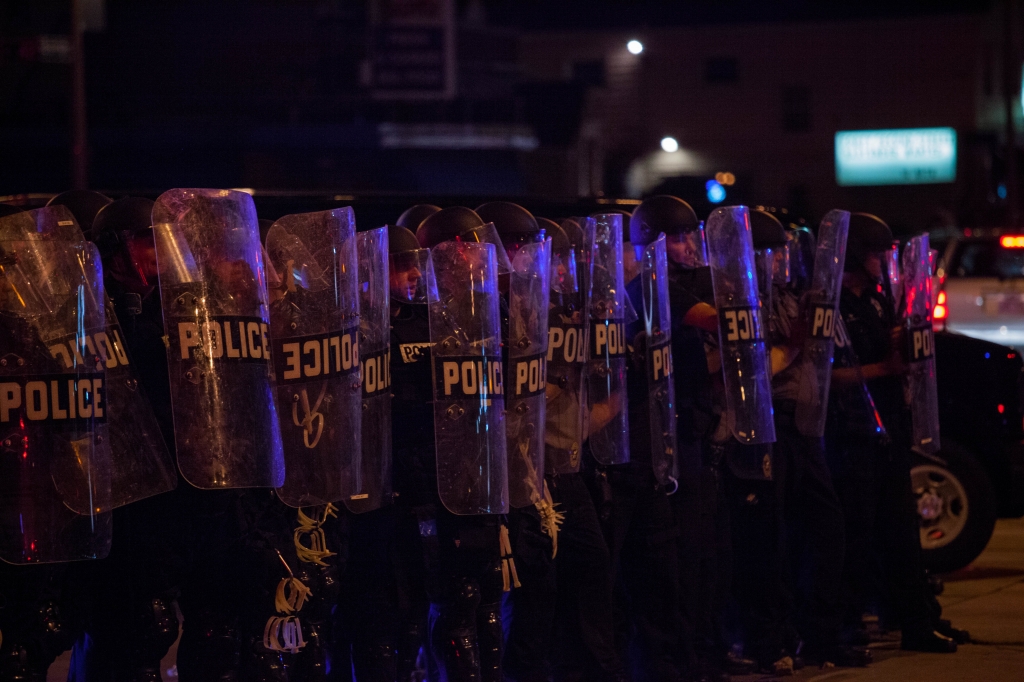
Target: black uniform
{"type": "Point", "coordinates": [700, 506]}
{"type": "Point", "coordinates": [872, 475]}
{"type": "Point", "coordinates": [130, 619]}
{"type": "Point", "coordinates": [458, 556]}
{"type": "Point", "coordinates": [561, 616]}
{"type": "Point", "coordinates": [811, 512]}
{"type": "Point", "coordinates": [642, 535]}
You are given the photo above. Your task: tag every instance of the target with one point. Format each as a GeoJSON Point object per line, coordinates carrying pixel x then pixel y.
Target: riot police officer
{"type": "Point", "coordinates": [872, 470]}
{"type": "Point", "coordinates": [807, 507]}
{"type": "Point", "coordinates": [638, 523]}
{"type": "Point", "coordinates": [131, 622]}
{"type": "Point", "coordinates": [529, 618]}
{"type": "Point", "coordinates": [449, 468]}
{"type": "Point", "coordinates": [51, 291]}
{"type": "Point", "coordinates": [705, 553]}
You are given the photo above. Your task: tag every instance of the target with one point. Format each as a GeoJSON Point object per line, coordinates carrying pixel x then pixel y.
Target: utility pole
{"type": "Point", "coordinates": [1011, 89]}
{"type": "Point", "coordinates": [79, 130]}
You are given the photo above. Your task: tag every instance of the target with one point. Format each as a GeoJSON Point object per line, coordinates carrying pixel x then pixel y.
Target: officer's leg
{"type": "Point", "coordinates": [650, 575]}
{"type": "Point", "coordinates": [210, 645]}
{"type": "Point", "coordinates": [370, 594]}
{"type": "Point", "coordinates": [907, 583]}
{"type": "Point", "coordinates": [490, 638]}
{"type": "Point", "coordinates": [617, 495]}
{"type": "Point", "coordinates": [530, 609]}
{"type": "Point", "coordinates": [468, 555]}
{"type": "Point", "coordinates": [584, 585]}
{"type": "Point", "coordinates": [852, 464]}
{"type": "Point", "coordinates": [814, 513]}
{"type": "Point", "coordinates": [131, 620]}
{"type": "Point", "coordinates": [690, 507]}
{"type": "Point", "coordinates": [35, 628]}
{"type": "Point", "coordinates": [759, 571]}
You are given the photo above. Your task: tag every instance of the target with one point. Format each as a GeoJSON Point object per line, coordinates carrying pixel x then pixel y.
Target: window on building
{"type": "Point", "coordinates": [719, 70]}
{"type": "Point", "coordinates": [796, 109]}
{"type": "Point", "coordinates": [589, 73]}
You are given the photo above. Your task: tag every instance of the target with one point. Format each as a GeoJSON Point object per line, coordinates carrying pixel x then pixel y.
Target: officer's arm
{"type": "Point", "coordinates": [602, 414]}
{"type": "Point", "coordinates": [702, 316]}
{"type": "Point", "coordinates": [782, 357]}
{"type": "Point", "coordinates": [850, 376]}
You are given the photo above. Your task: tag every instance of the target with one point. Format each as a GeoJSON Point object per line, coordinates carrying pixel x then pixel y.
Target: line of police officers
{"type": "Point", "coordinates": [475, 445]}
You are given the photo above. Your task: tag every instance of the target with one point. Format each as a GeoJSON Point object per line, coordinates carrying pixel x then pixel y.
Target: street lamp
{"type": "Point", "coordinates": [635, 47]}
{"type": "Point", "coordinates": [669, 144]}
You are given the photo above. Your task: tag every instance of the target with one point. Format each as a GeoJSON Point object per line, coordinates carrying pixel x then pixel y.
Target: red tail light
{"type": "Point", "coordinates": [1011, 241]}
{"type": "Point", "coordinates": [939, 312]}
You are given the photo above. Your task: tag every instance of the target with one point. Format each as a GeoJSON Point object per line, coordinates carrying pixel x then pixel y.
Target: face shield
{"type": "Point", "coordinates": [892, 268]}
{"type": "Point", "coordinates": [802, 247]}
{"type": "Point", "coordinates": [687, 249]}
{"type": "Point", "coordinates": [488, 234]}
{"type": "Point", "coordinates": [564, 278]}
{"type": "Point", "coordinates": [514, 242]}
{"type": "Point", "coordinates": [407, 275]}
{"type": "Point", "coordinates": [764, 259]}
{"type": "Point", "coordinates": [292, 262]}
{"type": "Point", "coordinates": [780, 266]}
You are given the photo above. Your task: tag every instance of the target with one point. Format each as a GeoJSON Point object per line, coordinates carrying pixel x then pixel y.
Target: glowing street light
{"type": "Point", "coordinates": [669, 144]}
{"type": "Point", "coordinates": [635, 47]}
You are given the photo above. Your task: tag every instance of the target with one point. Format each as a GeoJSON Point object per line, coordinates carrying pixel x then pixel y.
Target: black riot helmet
{"type": "Point", "coordinates": [401, 240]}
{"type": "Point", "coordinates": [662, 213]}
{"type": "Point", "coordinates": [123, 233]}
{"type": "Point", "coordinates": [84, 204]}
{"type": "Point", "coordinates": [447, 224]}
{"type": "Point", "coordinates": [868, 234]}
{"type": "Point", "coordinates": [766, 231]}
{"type": "Point", "coordinates": [515, 225]}
{"type": "Point", "coordinates": [684, 234]}
{"type": "Point", "coordinates": [458, 223]}
{"type": "Point", "coordinates": [407, 266]}
{"type": "Point", "coordinates": [559, 239]}
{"type": "Point", "coordinates": [564, 277]}
{"type": "Point", "coordinates": [415, 215]}
{"type": "Point", "coordinates": [574, 231]}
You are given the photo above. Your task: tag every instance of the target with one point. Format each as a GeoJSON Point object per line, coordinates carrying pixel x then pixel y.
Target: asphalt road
{"type": "Point", "coordinates": [987, 599]}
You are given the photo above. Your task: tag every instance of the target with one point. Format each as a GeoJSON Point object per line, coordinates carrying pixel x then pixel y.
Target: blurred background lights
{"type": "Point", "coordinates": [726, 179]}
{"type": "Point", "coordinates": [669, 144]}
{"type": "Point", "coordinates": [716, 193]}
{"type": "Point", "coordinates": [635, 47]}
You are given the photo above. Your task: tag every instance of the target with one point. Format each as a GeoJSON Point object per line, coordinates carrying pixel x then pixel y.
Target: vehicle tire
{"type": "Point", "coordinates": [957, 506]}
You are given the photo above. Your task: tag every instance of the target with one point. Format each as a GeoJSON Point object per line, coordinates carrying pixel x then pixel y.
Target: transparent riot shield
{"type": "Point", "coordinates": [657, 317]}
{"type": "Point", "coordinates": [375, 350]}
{"type": "Point", "coordinates": [822, 311]}
{"type": "Point", "coordinates": [469, 390]}
{"type": "Point", "coordinates": [920, 386]}
{"type": "Point", "coordinates": [526, 399]}
{"type": "Point", "coordinates": [802, 252]}
{"type": "Point", "coordinates": [892, 270]}
{"type": "Point", "coordinates": [745, 366]}
{"type": "Point", "coordinates": [488, 234]}
{"type": "Point", "coordinates": [217, 320]}
{"type": "Point", "coordinates": [141, 466]}
{"type": "Point", "coordinates": [54, 446]}
{"type": "Point", "coordinates": [609, 315]}
{"type": "Point", "coordinates": [48, 223]}
{"type": "Point", "coordinates": [763, 262]}
{"type": "Point", "coordinates": [568, 336]}
{"type": "Point", "coordinates": [314, 324]}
